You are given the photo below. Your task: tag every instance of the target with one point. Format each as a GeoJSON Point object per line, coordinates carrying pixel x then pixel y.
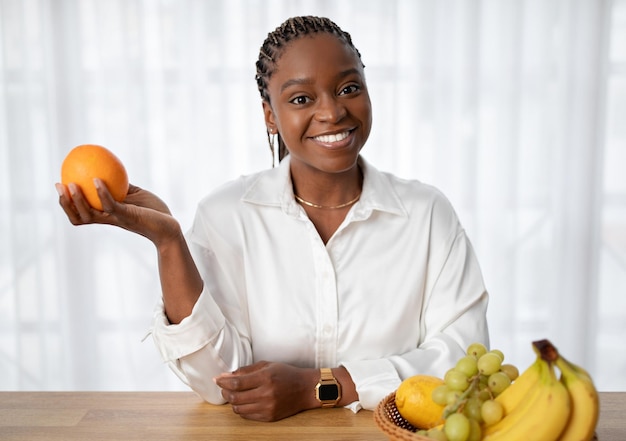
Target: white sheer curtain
{"type": "Point", "coordinates": [515, 109]}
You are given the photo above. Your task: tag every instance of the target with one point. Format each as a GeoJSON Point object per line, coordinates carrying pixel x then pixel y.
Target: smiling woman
{"type": "Point", "coordinates": [266, 344]}
{"type": "Point", "coordinates": [513, 109]}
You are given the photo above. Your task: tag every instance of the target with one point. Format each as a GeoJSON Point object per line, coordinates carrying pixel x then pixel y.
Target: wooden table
{"type": "Point", "coordinates": [180, 416]}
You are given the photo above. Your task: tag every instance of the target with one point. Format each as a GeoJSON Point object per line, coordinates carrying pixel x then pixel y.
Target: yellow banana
{"type": "Point", "coordinates": [540, 416]}
{"type": "Point", "coordinates": [515, 393]}
{"type": "Point", "coordinates": [515, 415]}
{"type": "Point", "coordinates": [585, 402]}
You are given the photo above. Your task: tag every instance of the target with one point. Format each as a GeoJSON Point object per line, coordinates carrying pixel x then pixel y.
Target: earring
{"type": "Point", "coordinates": [271, 139]}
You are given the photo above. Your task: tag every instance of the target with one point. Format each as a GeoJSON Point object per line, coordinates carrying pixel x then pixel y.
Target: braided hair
{"type": "Point", "coordinates": [274, 45]}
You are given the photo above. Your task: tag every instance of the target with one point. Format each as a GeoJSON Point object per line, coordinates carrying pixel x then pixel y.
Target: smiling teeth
{"type": "Point", "coordinates": [333, 138]}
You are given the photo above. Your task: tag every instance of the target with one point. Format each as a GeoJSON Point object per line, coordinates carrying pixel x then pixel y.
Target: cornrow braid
{"type": "Point", "coordinates": [274, 46]}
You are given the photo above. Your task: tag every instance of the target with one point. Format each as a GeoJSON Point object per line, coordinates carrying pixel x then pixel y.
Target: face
{"type": "Point", "coordinates": [319, 104]}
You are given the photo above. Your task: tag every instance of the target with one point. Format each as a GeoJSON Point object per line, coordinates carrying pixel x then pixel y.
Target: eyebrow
{"type": "Point", "coordinates": [308, 81]}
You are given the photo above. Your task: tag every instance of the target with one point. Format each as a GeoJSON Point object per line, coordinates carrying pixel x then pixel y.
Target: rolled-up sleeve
{"type": "Point", "coordinates": [213, 338]}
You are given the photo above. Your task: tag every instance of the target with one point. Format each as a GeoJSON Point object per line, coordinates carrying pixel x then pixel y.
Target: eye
{"type": "Point", "coordinates": [352, 88]}
{"type": "Point", "coordinates": [300, 100]}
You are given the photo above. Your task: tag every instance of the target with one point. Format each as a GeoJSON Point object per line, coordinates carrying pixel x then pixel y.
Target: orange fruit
{"type": "Point", "coordinates": [415, 404]}
{"type": "Point", "coordinates": [86, 162]}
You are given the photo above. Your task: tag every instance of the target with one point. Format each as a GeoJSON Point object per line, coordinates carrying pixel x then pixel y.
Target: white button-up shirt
{"type": "Point", "coordinates": [396, 290]}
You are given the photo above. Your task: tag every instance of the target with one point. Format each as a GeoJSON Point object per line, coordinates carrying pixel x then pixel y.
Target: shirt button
{"type": "Point", "coordinates": [328, 329]}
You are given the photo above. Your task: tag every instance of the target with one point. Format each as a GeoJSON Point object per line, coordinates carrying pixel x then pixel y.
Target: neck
{"type": "Point", "coordinates": [332, 191]}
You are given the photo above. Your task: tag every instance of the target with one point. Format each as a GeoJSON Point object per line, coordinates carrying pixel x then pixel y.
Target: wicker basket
{"type": "Point", "coordinates": [391, 422]}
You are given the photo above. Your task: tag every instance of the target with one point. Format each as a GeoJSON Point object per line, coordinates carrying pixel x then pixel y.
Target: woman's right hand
{"type": "Point", "coordinates": [141, 212]}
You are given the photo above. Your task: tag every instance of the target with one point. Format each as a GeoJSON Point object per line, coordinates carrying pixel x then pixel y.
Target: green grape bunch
{"type": "Point", "coordinates": [468, 394]}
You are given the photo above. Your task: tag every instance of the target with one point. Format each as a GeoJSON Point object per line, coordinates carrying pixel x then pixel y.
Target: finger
{"type": "Point", "coordinates": [240, 398]}
{"type": "Point", "coordinates": [108, 203]}
{"type": "Point", "coordinates": [60, 188]}
{"type": "Point", "coordinates": [244, 378]}
{"type": "Point", "coordinates": [236, 382]}
{"type": "Point", "coordinates": [65, 201]}
{"type": "Point", "coordinates": [255, 367]}
{"type": "Point", "coordinates": [141, 197]}
{"type": "Point", "coordinates": [83, 208]}
{"type": "Point", "coordinates": [133, 189]}
{"type": "Point", "coordinates": [251, 412]}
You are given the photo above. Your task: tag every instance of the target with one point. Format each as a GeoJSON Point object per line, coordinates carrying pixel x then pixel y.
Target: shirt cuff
{"type": "Point", "coordinates": [355, 406]}
{"type": "Point", "coordinates": [374, 380]}
{"type": "Point", "coordinates": [190, 335]}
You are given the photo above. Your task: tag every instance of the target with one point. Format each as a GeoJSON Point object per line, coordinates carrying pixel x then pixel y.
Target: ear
{"type": "Point", "coordinates": [270, 120]}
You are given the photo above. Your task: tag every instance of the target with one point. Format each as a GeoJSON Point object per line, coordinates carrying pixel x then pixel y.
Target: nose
{"type": "Point", "coordinates": [330, 109]}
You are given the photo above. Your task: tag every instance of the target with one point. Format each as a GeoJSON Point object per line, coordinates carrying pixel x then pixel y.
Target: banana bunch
{"type": "Point", "coordinates": [539, 406]}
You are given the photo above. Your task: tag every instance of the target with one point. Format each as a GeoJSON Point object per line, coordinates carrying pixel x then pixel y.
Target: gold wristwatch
{"type": "Point", "coordinates": [328, 389]}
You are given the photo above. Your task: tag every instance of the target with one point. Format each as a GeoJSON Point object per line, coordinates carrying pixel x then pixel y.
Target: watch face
{"type": "Point", "coordinates": [328, 392]}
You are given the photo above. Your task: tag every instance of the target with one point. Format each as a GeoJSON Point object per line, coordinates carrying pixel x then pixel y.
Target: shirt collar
{"type": "Point", "coordinates": [274, 188]}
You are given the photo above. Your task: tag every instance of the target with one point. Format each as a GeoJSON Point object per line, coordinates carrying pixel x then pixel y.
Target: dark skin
{"type": "Point", "coordinates": [321, 93]}
{"type": "Point", "coordinates": [144, 213]}
{"type": "Point", "coordinates": [320, 106]}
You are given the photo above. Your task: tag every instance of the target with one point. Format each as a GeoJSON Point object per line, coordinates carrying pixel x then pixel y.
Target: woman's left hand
{"type": "Point", "coordinates": [267, 391]}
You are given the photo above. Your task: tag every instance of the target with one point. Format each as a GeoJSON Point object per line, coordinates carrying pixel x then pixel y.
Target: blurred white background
{"type": "Point", "coordinates": [516, 109]}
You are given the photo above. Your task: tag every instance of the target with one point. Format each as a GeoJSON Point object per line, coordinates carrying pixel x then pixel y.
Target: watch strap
{"type": "Point", "coordinates": [326, 374]}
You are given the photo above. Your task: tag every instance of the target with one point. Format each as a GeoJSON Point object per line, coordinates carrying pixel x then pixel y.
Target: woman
{"type": "Point", "coordinates": [317, 283]}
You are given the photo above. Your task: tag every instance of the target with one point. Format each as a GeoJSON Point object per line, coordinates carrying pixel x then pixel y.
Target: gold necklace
{"type": "Point", "coordinates": [326, 207]}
